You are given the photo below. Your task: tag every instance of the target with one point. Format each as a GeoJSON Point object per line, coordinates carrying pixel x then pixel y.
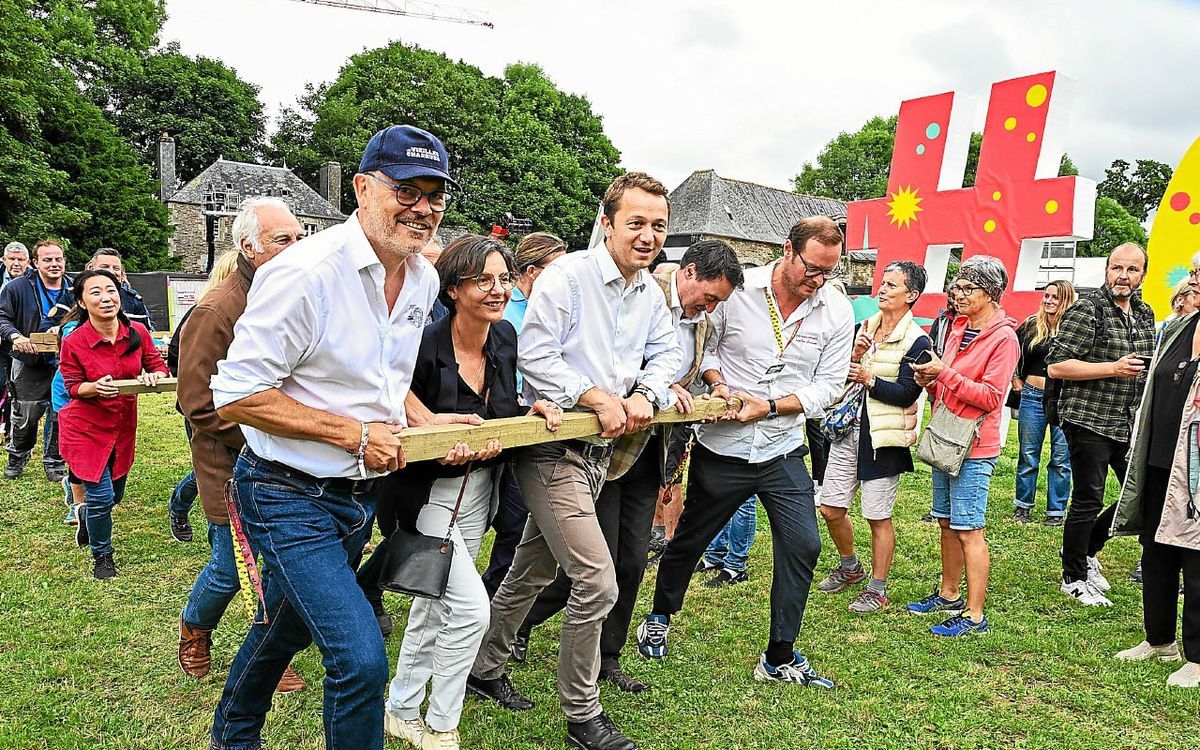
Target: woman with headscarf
{"type": "Point", "coordinates": [1029, 384]}
{"type": "Point", "coordinates": [980, 356]}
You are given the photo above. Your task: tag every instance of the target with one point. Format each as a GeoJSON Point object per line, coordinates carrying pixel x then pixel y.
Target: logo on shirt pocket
{"type": "Point", "coordinates": [415, 316]}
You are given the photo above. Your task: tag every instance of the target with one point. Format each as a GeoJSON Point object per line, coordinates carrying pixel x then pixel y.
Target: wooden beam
{"type": "Point", "coordinates": [424, 443]}
{"type": "Point", "coordinates": [134, 388]}
{"type": "Point", "coordinates": [48, 342]}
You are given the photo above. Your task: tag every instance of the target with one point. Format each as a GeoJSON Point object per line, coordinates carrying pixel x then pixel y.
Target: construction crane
{"type": "Point", "coordinates": [413, 9]}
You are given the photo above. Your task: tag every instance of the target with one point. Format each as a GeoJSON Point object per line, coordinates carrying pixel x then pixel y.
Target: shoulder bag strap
{"type": "Point", "coordinates": [462, 490]}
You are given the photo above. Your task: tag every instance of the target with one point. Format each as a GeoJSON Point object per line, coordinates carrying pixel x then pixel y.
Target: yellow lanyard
{"type": "Point", "coordinates": [777, 324]}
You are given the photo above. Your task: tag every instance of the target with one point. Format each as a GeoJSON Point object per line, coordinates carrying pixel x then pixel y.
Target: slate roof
{"type": "Point", "coordinates": [707, 203]}
{"type": "Point", "coordinates": [231, 182]}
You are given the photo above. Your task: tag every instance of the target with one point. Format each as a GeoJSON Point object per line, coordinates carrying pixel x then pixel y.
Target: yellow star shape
{"type": "Point", "coordinates": [904, 206]}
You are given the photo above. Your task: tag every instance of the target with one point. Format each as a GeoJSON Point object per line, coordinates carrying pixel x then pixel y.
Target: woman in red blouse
{"type": "Point", "coordinates": [97, 428]}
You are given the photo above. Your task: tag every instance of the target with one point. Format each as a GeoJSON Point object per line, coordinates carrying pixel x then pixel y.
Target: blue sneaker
{"type": "Point", "coordinates": [800, 671]}
{"type": "Point", "coordinates": [960, 625]}
{"type": "Point", "coordinates": [935, 602]}
{"type": "Point", "coordinates": [652, 636]}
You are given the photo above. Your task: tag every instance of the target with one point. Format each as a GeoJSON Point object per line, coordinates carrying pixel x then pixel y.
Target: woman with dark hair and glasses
{"type": "Point", "coordinates": [467, 364]}
{"type": "Point", "coordinates": [98, 427]}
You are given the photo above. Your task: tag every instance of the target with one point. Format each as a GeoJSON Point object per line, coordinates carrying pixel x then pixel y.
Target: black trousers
{"type": "Point", "coordinates": [509, 524]}
{"type": "Point", "coordinates": [1086, 528]}
{"type": "Point", "coordinates": [1162, 565]}
{"type": "Point", "coordinates": [29, 393]}
{"type": "Point", "coordinates": [625, 510]}
{"type": "Point", "coordinates": [717, 486]}
{"type": "Point", "coordinates": [818, 449]}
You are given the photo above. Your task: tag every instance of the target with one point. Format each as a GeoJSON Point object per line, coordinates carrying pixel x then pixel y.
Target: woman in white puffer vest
{"type": "Point", "coordinates": [876, 451]}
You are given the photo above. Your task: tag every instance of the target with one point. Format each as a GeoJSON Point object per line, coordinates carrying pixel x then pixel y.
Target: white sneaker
{"type": "Point", "coordinates": [1085, 593]}
{"type": "Point", "coordinates": [412, 731]}
{"type": "Point", "coordinates": [440, 740]}
{"type": "Point", "coordinates": [1144, 650]}
{"type": "Point", "coordinates": [1094, 576]}
{"type": "Point", "coordinates": [1187, 676]}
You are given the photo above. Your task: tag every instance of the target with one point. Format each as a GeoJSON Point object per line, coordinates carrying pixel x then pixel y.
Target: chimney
{"type": "Point", "coordinates": [165, 163]}
{"type": "Point", "coordinates": [330, 184]}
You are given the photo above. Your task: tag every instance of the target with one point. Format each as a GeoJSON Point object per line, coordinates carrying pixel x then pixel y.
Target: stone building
{"type": "Point", "coordinates": [202, 209]}
{"type": "Point", "coordinates": [753, 219]}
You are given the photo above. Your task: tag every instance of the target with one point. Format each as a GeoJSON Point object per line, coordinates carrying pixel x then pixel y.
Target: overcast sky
{"type": "Point", "coordinates": [754, 89]}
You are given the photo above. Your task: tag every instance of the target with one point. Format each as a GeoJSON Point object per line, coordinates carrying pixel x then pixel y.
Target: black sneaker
{"type": "Point", "coordinates": [54, 474]}
{"type": "Point", "coordinates": [598, 733]}
{"type": "Point", "coordinates": [1136, 574]}
{"type": "Point", "coordinates": [1053, 521]}
{"type": "Point", "coordinates": [624, 682]}
{"type": "Point", "coordinates": [81, 532]}
{"type": "Point", "coordinates": [181, 529]}
{"type": "Point", "coordinates": [103, 568]}
{"type": "Point", "coordinates": [14, 470]}
{"type": "Point", "coordinates": [1021, 515]}
{"type": "Point", "coordinates": [727, 577]}
{"type": "Point", "coordinates": [519, 649]}
{"type": "Point", "coordinates": [500, 690]}
{"type": "Point", "coordinates": [704, 565]}
{"type": "Point", "coordinates": [927, 518]}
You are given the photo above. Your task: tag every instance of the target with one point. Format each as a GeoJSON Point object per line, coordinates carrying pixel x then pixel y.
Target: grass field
{"type": "Point", "coordinates": [92, 665]}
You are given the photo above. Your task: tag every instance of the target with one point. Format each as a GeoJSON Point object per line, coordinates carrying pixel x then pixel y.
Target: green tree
{"type": "Point", "coordinates": [855, 166]}
{"type": "Point", "coordinates": [1140, 189]}
{"type": "Point", "coordinates": [1114, 225]}
{"type": "Point", "coordinates": [200, 101]}
{"type": "Point", "coordinates": [517, 144]}
{"type": "Point", "coordinates": [64, 169]}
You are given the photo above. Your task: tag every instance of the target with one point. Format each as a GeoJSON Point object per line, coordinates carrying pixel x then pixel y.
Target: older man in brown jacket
{"type": "Point", "coordinates": [262, 229]}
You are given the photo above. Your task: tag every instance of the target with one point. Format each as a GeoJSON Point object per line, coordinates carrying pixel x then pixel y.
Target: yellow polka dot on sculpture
{"type": "Point", "coordinates": [1051, 206]}
{"type": "Point", "coordinates": [989, 225]}
{"type": "Point", "coordinates": [1036, 95]}
{"type": "Point", "coordinates": [1010, 123]}
{"type": "Point", "coordinates": [1031, 136]}
{"type": "Point", "coordinates": [996, 195]}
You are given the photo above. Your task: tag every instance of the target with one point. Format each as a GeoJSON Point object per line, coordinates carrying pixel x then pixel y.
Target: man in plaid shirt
{"type": "Point", "coordinates": [1103, 380]}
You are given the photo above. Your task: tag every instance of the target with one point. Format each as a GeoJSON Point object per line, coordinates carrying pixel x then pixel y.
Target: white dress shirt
{"type": "Point", "coordinates": [317, 327]}
{"type": "Point", "coordinates": [744, 348]}
{"type": "Point", "coordinates": [685, 329]}
{"type": "Point", "coordinates": [585, 327]}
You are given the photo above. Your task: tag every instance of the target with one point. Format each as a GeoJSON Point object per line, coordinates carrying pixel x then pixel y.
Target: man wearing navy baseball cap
{"type": "Point", "coordinates": [320, 400]}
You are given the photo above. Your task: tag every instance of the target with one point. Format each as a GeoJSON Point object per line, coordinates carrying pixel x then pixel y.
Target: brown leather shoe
{"type": "Point", "coordinates": [195, 645]}
{"type": "Point", "coordinates": [291, 682]}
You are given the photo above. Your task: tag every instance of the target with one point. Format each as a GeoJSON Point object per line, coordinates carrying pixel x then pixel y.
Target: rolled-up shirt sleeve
{"type": "Point", "coordinates": [711, 360]}
{"type": "Point", "coordinates": [282, 323]}
{"type": "Point", "coordinates": [829, 377]}
{"type": "Point", "coordinates": [663, 355]}
{"type": "Point", "coordinates": [548, 318]}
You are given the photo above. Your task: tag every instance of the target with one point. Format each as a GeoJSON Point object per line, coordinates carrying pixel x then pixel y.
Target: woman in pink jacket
{"type": "Point", "coordinates": [981, 354]}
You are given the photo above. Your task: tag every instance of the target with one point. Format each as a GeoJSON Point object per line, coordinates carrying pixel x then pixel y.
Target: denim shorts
{"type": "Point", "coordinates": [963, 499]}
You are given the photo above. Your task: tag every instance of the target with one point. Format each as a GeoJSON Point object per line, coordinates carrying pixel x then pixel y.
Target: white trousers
{"type": "Point", "coordinates": [443, 635]}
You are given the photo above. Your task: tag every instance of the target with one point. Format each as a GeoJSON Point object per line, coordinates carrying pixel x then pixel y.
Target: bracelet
{"type": "Point", "coordinates": [713, 386]}
{"type": "Point", "coordinates": [646, 393]}
{"type": "Point", "coordinates": [361, 453]}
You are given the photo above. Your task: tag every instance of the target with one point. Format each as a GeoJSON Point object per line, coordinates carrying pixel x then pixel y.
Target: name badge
{"type": "Point", "coordinates": [771, 374]}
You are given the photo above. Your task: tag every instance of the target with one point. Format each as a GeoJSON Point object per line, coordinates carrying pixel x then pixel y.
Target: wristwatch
{"type": "Point", "coordinates": [646, 393]}
{"type": "Point", "coordinates": [772, 409]}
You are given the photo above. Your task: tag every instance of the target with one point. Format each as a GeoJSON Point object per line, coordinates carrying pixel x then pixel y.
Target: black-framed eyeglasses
{"type": "Point", "coordinates": [408, 194]}
{"type": "Point", "coordinates": [486, 282]}
{"type": "Point", "coordinates": [965, 291]}
{"type": "Point", "coordinates": [814, 271]}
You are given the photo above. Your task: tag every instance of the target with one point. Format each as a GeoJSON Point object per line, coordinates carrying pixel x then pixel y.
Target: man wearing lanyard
{"type": "Point", "coordinates": [26, 307]}
{"type": "Point", "coordinates": [597, 335]}
{"type": "Point", "coordinates": [782, 345]}
{"type": "Point", "coordinates": [317, 373]}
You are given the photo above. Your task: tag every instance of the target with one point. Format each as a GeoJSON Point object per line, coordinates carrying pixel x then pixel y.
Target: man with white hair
{"type": "Point", "coordinates": [263, 228]}
{"type": "Point", "coordinates": [16, 260]}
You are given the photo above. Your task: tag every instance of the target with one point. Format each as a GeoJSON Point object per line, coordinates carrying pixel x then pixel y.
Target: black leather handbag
{"type": "Point", "coordinates": [417, 564]}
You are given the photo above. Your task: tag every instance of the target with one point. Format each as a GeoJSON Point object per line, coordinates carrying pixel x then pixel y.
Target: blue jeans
{"type": "Point", "coordinates": [216, 585]}
{"type": "Point", "coordinates": [184, 496]}
{"type": "Point", "coordinates": [310, 533]}
{"type": "Point", "coordinates": [730, 548]}
{"type": "Point", "coordinates": [101, 496]}
{"type": "Point", "coordinates": [963, 499]}
{"type": "Point", "coordinates": [1031, 428]}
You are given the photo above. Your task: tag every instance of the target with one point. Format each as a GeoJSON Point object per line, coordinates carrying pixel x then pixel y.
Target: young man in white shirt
{"type": "Point", "coordinates": [598, 335]}
{"type": "Point", "coordinates": [782, 344]}
{"type": "Point", "coordinates": [317, 373]}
